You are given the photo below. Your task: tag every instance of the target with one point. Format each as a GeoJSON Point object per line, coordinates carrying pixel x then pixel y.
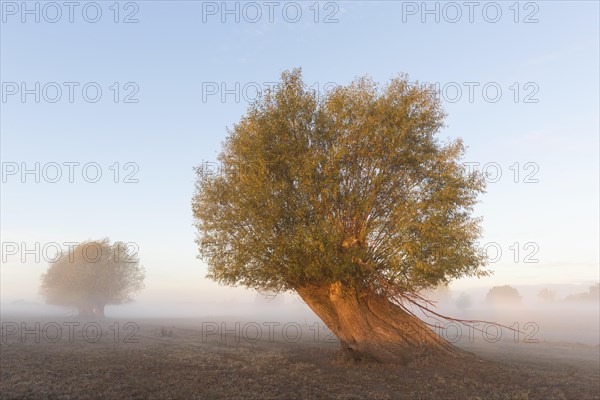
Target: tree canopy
{"type": "Point", "coordinates": [93, 274]}
{"type": "Point", "coordinates": [503, 294]}
{"type": "Point", "coordinates": [352, 187]}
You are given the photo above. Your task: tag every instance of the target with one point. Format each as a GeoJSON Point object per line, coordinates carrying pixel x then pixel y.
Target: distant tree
{"type": "Point", "coordinates": [463, 301]}
{"type": "Point", "coordinates": [92, 275]}
{"type": "Point", "coordinates": [595, 291]}
{"type": "Point", "coordinates": [546, 295]}
{"type": "Point", "coordinates": [349, 199]}
{"type": "Point", "coordinates": [592, 295]}
{"type": "Point", "coordinates": [503, 295]}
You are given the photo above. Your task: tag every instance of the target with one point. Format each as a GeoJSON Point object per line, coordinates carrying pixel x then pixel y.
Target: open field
{"type": "Point", "coordinates": [281, 200]}
{"type": "Point", "coordinates": [185, 358]}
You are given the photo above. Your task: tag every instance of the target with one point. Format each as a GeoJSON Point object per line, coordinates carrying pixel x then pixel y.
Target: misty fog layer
{"type": "Point", "coordinates": [558, 320]}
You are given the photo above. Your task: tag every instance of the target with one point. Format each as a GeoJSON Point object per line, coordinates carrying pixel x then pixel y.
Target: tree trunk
{"type": "Point", "coordinates": [98, 310]}
{"type": "Point", "coordinates": [370, 326]}
{"type": "Point", "coordinates": [85, 311]}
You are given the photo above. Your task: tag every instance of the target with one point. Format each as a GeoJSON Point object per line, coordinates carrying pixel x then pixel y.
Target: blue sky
{"type": "Point", "coordinates": [545, 119]}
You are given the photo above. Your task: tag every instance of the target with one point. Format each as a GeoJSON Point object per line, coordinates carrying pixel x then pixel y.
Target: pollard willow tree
{"type": "Point", "coordinates": [352, 201]}
{"type": "Point", "coordinates": [92, 275]}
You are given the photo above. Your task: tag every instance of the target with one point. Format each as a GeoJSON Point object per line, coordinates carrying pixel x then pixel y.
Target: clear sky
{"type": "Point", "coordinates": [519, 82]}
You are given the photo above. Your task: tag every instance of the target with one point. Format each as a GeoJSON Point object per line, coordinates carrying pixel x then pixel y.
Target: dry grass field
{"type": "Point", "coordinates": [177, 359]}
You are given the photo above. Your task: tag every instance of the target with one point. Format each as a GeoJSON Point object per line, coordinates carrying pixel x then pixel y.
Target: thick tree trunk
{"type": "Point", "coordinates": [370, 326]}
{"type": "Point", "coordinates": [96, 310]}
{"type": "Point", "coordinates": [85, 311]}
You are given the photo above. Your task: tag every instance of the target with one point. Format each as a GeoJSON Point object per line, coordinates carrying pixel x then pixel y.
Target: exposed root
{"type": "Point", "coordinates": [423, 305]}
{"type": "Point", "coordinates": [381, 324]}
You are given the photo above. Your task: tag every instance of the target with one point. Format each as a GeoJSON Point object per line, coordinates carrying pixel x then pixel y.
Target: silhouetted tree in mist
{"type": "Point", "coordinates": [592, 295]}
{"type": "Point", "coordinates": [506, 295]}
{"type": "Point", "coordinates": [92, 275]}
{"type": "Point", "coordinates": [546, 295]}
{"type": "Point", "coordinates": [463, 301]}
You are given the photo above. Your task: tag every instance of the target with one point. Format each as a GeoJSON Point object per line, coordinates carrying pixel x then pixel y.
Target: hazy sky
{"type": "Point", "coordinates": [521, 92]}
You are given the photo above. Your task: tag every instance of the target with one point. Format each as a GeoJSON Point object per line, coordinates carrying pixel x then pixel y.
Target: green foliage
{"type": "Point", "coordinates": [345, 188]}
{"type": "Point", "coordinates": [93, 273]}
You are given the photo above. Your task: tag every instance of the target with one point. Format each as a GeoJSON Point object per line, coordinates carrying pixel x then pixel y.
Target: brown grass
{"type": "Point", "coordinates": [184, 366]}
